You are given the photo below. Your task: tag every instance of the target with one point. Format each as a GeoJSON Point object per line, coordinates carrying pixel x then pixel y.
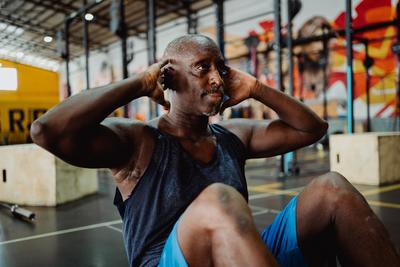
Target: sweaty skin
{"type": "Point", "coordinates": [193, 70]}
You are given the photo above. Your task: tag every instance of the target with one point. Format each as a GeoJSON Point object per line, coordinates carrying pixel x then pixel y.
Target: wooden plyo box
{"type": "Point", "coordinates": [29, 175]}
{"type": "Point", "coordinates": [366, 158]}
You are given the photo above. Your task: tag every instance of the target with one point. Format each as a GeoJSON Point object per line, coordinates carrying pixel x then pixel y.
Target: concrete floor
{"type": "Point", "coordinates": [88, 232]}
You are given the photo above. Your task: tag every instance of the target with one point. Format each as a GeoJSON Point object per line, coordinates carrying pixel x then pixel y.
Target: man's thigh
{"type": "Point", "coordinates": [216, 229]}
{"type": "Point", "coordinates": [280, 237]}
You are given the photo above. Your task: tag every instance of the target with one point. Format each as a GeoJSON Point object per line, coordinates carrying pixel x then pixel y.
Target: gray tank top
{"type": "Point", "coordinates": [170, 183]}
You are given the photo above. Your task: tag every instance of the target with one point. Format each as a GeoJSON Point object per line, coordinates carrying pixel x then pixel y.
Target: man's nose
{"type": "Point", "coordinates": [215, 79]}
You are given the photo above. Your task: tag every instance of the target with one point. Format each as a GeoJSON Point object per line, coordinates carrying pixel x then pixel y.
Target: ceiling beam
{"type": "Point", "coordinates": [28, 47]}
{"type": "Point", "coordinates": [66, 9]}
{"type": "Point", "coordinates": [168, 4]}
{"type": "Point", "coordinates": [19, 4]}
{"type": "Point", "coordinates": [38, 28]}
{"type": "Point", "coordinates": [16, 43]}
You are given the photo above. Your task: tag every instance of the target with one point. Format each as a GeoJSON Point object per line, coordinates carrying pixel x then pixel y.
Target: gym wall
{"type": "Point", "coordinates": [105, 65]}
{"type": "Point", "coordinates": [37, 90]}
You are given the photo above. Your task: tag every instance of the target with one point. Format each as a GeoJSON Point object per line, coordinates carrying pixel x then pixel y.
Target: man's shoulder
{"type": "Point", "coordinates": [129, 127]}
{"type": "Point", "coordinates": [236, 124]}
{"type": "Point", "coordinates": [122, 122]}
{"type": "Point", "coordinates": [241, 128]}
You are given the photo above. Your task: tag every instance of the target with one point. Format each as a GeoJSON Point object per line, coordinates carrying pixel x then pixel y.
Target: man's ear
{"type": "Point", "coordinates": [165, 78]}
{"type": "Point", "coordinates": [168, 74]}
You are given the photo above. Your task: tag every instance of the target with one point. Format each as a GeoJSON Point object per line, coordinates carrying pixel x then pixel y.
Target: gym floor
{"type": "Point", "coordinates": [88, 232]}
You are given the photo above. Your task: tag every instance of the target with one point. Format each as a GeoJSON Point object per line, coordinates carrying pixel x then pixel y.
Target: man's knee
{"type": "Point", "coordinates": [327, 197]}
{"type": "Point", "coordinates": [218, 194]}
{"type": "Point", "coordinates": [221, 204]}
{"type": "Point", "coordinates": [335, 191]}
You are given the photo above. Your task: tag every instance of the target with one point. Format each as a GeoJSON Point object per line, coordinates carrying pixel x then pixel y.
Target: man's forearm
{"type": "Point", "coordinates": [89, 107]}
{"type": "Point", "coordinates": [289, 110]}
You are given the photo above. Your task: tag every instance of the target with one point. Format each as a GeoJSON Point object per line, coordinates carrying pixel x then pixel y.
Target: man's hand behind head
{"type": "Point", "coordinates": [152, 86]}
{"type": "Point", "coordinates": [239, 86]}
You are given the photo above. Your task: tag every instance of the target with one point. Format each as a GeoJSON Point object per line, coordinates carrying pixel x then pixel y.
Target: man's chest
{"type": "Point", "coordinates": [203, 150]}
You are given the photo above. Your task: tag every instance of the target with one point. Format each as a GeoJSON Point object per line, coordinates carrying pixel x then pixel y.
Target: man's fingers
{"type": "Point", "coordinates": [158, 96]}
{"type": "Point", "coordinates": [167, 105]}
{"type": "Point", "coordinates": [167, 69]}
{"type": "Point", "coordinates": [158, 66]}
{"type": "Point", "coordinates": [162, 102]}
{"type": "Point", "coordinates": [163, 62]}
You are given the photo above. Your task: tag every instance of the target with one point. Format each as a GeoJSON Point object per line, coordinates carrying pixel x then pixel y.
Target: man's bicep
{"type": "Point", "coordinates": [242, 128]}
{"type": "Point", "coordinates": [275, 138]}
{"type": "Point", "coordinates": [106, 145]}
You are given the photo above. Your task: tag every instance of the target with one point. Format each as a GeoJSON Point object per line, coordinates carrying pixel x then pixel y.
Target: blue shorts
{"type": "Point", "coordinates": [280, 237]}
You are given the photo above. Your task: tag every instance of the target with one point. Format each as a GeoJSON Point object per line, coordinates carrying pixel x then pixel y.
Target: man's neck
{"type": "Point", "coordinates": [184, 125]}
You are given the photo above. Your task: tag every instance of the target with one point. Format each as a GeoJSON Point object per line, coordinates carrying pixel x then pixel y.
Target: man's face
{"type": "Point", "coordinates": [199, 79]}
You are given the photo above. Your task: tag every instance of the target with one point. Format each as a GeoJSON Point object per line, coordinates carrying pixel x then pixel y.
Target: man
{"type": "Point", "coordinates": [181, 187]}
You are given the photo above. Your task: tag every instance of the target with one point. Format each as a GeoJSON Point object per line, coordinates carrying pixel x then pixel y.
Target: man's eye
{"type": "Point", "coordinates": [202, 67]}
{"type": "Point", "coordinates": [224, 71]}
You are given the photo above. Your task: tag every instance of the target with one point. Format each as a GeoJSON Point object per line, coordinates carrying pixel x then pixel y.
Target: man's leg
{"type": "Point", "coordinates": [217, 229]}
{"type": "Point", "coordinates": [333, 218]}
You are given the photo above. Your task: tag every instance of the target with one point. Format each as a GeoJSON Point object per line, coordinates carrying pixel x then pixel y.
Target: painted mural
{"type": "Point", "coordinates": [320, 63]}
{"type": "Point", "coordinates": [383, 71]}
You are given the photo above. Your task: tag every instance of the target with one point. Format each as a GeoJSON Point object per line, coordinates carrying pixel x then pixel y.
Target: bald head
{"type": "Point", "coordinates": [188, 44]}
{"type": "Point", "coordinates": [194, 74]}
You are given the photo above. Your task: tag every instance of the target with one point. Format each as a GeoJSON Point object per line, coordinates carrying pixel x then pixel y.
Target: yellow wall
{"type": "Point", "coordinates": [38, 90]}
